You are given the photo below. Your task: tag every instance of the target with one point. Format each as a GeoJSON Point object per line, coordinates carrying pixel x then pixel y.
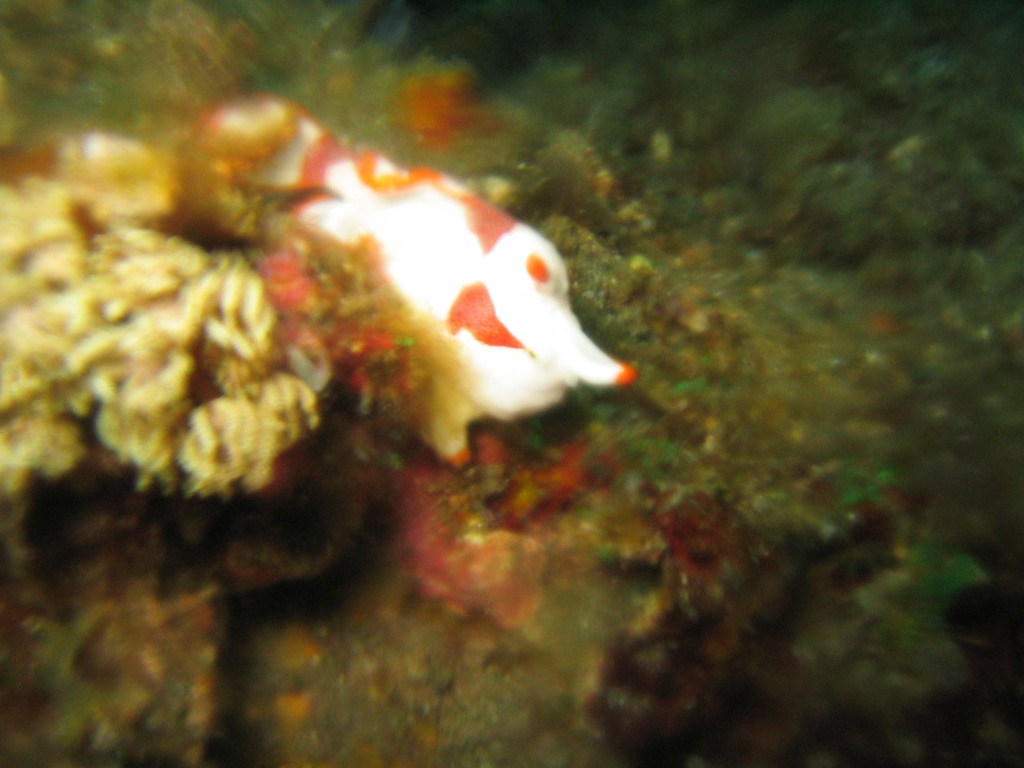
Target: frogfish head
{"type": "Point", "coordinates": [527, 282]}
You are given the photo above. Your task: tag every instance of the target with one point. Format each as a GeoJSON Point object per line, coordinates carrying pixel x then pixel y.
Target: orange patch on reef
{"type": "Point", "coordinates": [296, 648]}
{"type": "Point", "coordinates": [885, 323]}
{"type": "Point", "coordinates": [293, 710]}
{"type": "Point", "coordinates": [699, 253]}
{"type": "Point", "coordinates": [439, 107]}
{"type": "Point", "coordinates": [535, 493]}
{"type": "Point", "coordinates": [489, 450]}
{"type": "Point", "coordinates": [39, 160]}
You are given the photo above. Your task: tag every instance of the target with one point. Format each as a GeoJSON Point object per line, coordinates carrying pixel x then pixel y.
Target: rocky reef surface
{"type": "Point", "coordinates": [795, 540]}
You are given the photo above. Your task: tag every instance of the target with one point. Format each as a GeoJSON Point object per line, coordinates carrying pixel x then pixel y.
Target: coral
{"type": "Point", "coordinates": [236, 439]}
{"type": "Point", "coordinates": [167, 348]}
{"type": "Point", "coordinates": [45, 445]}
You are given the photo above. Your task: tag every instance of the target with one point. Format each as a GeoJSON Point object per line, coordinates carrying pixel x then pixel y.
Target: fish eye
{"type": "Point", "coordinates": [537, 268]}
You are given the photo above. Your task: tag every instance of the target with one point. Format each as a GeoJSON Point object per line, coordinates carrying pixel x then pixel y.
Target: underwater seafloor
{"type": "Point", "coordinates": [795, 540]}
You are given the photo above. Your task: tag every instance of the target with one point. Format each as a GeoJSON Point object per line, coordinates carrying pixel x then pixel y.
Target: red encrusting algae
{"type": "Point", "coordinates": [496, 573]}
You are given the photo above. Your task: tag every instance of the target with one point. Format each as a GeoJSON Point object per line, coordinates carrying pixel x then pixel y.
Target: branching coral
{"type": "Point", "coordinates": [168, 350]}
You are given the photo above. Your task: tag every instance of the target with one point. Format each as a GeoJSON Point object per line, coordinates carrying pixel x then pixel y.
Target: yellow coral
{"type": "Point", "coordinates": [47, 446]}
{"type": "Point", "coordinates": [238, 326]}
{"type": "Point", "coordinates": [41, 247]}
{"type": "Point", "coordinates": [168, 349]}
{"type": "Point", "coordinates": [234, 440]}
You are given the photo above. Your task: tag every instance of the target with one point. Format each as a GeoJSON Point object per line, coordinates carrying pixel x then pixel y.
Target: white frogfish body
{"type": "Point", "coordinates": [497, 286]}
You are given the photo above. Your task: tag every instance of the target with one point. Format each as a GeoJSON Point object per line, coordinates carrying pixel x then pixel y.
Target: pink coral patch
{"type": "Point", "coordinates": [495, 573]}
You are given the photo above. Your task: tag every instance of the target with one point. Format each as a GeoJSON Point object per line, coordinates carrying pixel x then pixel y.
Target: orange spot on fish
{"type": "Point", "coordinates": [366, 169]}
{"type": "Point", "coordinates": [319, 159]}
{"type": "Point", "coordinates": [485, 221]}
{"type": "Point", "coordinates": [473, 310]}
{"type": "Point", "coordinates": [626, 376]}
{"type": "Point", "coordinates": [537, 268]}
{"type": "Point", "coordinates": [396, 179]}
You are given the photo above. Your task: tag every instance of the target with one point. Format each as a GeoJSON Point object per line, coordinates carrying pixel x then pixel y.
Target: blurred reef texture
{"type": "Point", "coordinates": [796, 540]}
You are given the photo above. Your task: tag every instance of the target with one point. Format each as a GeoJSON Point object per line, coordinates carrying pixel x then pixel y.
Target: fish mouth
{"type": "Point", "coordinates": [584, 361]}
